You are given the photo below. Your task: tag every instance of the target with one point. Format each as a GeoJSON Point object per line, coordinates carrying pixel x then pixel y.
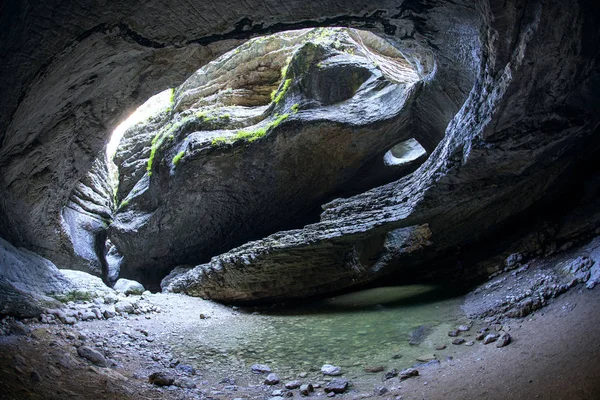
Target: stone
{"type": "Point", "coordinates": [128, 286]}
{"type": "Point", "coordinates": [440, 347]}
{"type": "Point", "coordinates": [458, 341]}
{"type": "Point", "coordinates": [185, 368]}
{"type": "Point", "coordinates": [260, 369]}
{"type": "Point", "coordinates": [26, 281]}
{"type": "Point", "coordinates": [463, 328]}
{"type": "Point", "coordinates": [293, 385]}
{"type": "Point", "coordinates": [306, 389]}
{"type": "Point", "coordinates": [161, 379]}
{"type": "Point", "coordinates": [88, 316]}
{"type": "Point", "coordinates": [92, 355]}
{"type": "Point", "coordinates": [503, 340]}
{"type": "Point", "coordinates": [480, 336]}
{"type": "Point", "coordinates": [336, 386]}
{"type": "Point", "coordinates": [124, 307]}
{"type": "Point", "coordinates": [594, 276]}
{"type": "Point", "coordinates": [408, 373]}
{"type": "Point", "coordinates": [374, 368]}
{"type": "Point", "coordinates": [453, 333]}
{"type": "Point", "coordinates": [272, 379]}
{"type": "Point", "coordinates": [331, 370]}
{"type": "Point", "coordinates": [490, 338]}
{"type": "Point", "coordinates": [390, 374]}
{"type": "Point", "coordinates": [469, 343]}
{"type": "Point", "coordinates": [380, 390]}
{"type": "Point", "coordinates": [426, 357]}
{"type": "Point", "coordinates": [185, 383]}
{"type": "Point", "coordinates": [513, 260]}
{"type": "Point", "coordinates": [110, 298]}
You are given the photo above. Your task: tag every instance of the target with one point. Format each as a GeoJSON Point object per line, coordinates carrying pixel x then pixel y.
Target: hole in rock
{"type": "Point", "coordinates": [252, 143]}
{"type": "Point", "coordinates": [404, 153]}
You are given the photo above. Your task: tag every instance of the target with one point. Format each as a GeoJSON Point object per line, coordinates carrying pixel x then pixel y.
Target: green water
{"type": "Point", "coordinates": [366, 328]}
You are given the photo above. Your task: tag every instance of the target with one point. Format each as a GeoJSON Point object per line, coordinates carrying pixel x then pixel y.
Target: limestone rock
{"type": "Point", "coordinates": [331, 370]}
{"type": "Point", "coordinates": [127, 286]}
{"type": "Point", "coordinates": [260, 368]}
{"type": "Point", "coordinates": [293, 385]}
{"type": "Point", "coordinates": [306, 389]}
{"type": "Point", "coordinates": [92, 355]}
{"type": "Point", "coordinates": [272, 379]}
{"type": "Point", "coordinates": [408, 373]}
{"type": "Point", "coordinates": [503, 340]}
{"type": "Point", "coordinates": [337, 386]}
{"type": "Point", "coordinates": [161, 379]}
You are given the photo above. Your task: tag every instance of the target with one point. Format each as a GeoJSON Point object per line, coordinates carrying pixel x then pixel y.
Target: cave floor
{"type": "Point", "coordinates": [554, 354]}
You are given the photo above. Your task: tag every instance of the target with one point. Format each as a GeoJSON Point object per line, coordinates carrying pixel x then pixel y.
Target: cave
{"type": "Point", "coordinates": [270, 200]}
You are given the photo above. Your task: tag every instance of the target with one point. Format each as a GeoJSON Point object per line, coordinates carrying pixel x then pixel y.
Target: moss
{"type": "Point", "coordinates": [124, 203]}
{"type": "Point", "coordinates": [75, 295]}
{"type": "Point", "coordinates": [172, 97]}
{"type": "Point", "coordinates": [252, 135]}
{"type": "Point", "coordinates": [218, 141]}
{"type": "Point", "coordinates": [277, 96]}
{"type": "Point", "coordinates": [178, 157]}
{"type": "Point", "coordinates": [295, 108]}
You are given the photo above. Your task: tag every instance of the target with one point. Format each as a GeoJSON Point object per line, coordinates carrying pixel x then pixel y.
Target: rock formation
{"type": "Point", "coordinates": [227, 161]}
{"type": "Point", "coordinates": [506, 107]}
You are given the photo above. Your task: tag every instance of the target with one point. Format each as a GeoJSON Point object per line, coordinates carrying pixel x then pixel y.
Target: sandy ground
{"type": "Point", "coordinates": [554, 354]}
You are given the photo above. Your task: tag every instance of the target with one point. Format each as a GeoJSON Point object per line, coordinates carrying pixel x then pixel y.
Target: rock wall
{"type": "Point", "coordinates": [510, 103]}
{"type": "Point", "coordinates": [518, 131]}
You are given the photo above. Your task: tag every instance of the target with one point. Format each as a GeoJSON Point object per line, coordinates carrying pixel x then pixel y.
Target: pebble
{"type": "Point", "coordinates": [453, 333]}
{"type": "Point", "coordinates": [161, 379]}
{"type": "Point", "coordinates": [503, 340]}
{"type": "Point", "coordinates": [306, 389]}
{"type": "Point", "coordinates": [492, 337]}
{"type": "Point", "coordinates": [293, 385]}
{"type": "Point", "coordinates": [272, 379]}
{"type": "Point", "coordinates": [440, 347]}
{"type": "Point", "coordinates": [480, 336]}
{"type": "Point", "coordinates": [337, 386]}
{"type": "Point", "coordinates": [92, 355]}
{"type": "Point", "coordinates": [331, 370]}
{"type": "Point", "coordinates": [260, 369]}
{"type": "Point", "coordinates": [303, 374]}
{"type": "Point", "coordinates": [469, 343]}
{"type": "Point", "coordinates": [185, 383]}
{"type": "Point", "coordinates": [463, 328]}
{"type": "Point", "coordinates": [408, 373]}
{"type": "Point", "coordinates": [375, 369]}
{"type": "Point", "coordinates": [458, 341]}
{"type": "Point", "coordinates": [390, 374]}
{"type": "Point", "coordinates": [188, 369]}
{"type": "Point", "coordinates": [380, 390]}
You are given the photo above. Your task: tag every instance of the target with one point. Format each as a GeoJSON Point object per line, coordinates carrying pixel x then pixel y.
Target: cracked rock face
{"type": "Point", "coordinates": [507, 104]}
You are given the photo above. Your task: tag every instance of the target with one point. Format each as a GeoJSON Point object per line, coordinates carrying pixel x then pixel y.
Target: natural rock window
{"type": "Point", "coordinates": [404, 153]}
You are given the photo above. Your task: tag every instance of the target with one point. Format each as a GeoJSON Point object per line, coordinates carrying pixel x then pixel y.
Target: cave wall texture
{"type": "Point", "coordinates": [511, 102]}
